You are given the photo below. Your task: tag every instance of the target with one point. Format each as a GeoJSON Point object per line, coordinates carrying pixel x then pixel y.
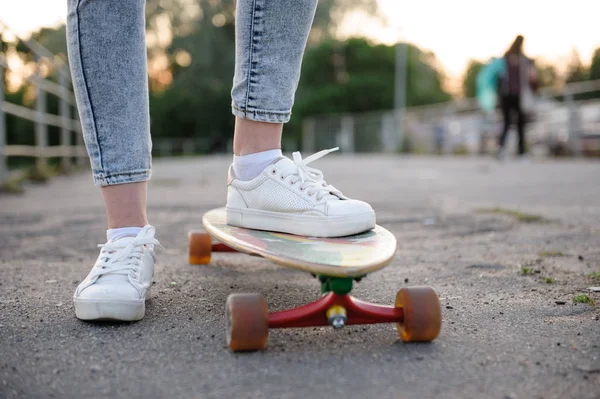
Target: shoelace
{"type": "Point", "coordinates": [311, 178]}
{"type": "Point", "coordinates": [119, 258]}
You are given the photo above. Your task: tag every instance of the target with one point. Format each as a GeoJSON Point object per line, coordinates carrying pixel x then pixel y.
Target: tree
{"type": "Point", "coordinates": [330, 15]}
{"type": "Point", "coordinates": [190, 96]}
{"type": "Point", "coordinates": [594, 73]}
{"type": "Point", "coordinates": [367, 80]}
{"type": "Point", "coordinates": [547, 75]}
{"type": "Point", "coordinates": [356, 76]}
{"type": "Point", "coordinates": [595, 65]}
{"type": "Point", "coordinates": [576, 72]}
{"type": "Point", "coordinates": [469, 85]}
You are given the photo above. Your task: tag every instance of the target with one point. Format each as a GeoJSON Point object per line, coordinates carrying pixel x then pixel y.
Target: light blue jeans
{"type": "Point", "coordinates": [107, 55]}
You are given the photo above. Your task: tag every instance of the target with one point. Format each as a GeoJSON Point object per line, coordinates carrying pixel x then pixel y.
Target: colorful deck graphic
{"type": "Point", "coordinates": [343, 257]}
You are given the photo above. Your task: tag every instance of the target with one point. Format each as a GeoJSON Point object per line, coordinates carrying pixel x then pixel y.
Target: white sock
{"type": "Point", "coordinates": [115, 234]}
{"type": "Point", "coordinates": [247, 167]}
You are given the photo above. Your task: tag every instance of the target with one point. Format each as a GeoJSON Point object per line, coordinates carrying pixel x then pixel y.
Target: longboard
{"type": "Point", "coordinates": [337, 262]}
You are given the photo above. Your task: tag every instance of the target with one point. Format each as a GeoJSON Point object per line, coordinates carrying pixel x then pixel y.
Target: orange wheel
{"type": "Point", "coordinates": [422, 314]}
{"type": "Point", "coordinates": [247, 322]}
{"type": "Point", "coordinates": [200, 245]}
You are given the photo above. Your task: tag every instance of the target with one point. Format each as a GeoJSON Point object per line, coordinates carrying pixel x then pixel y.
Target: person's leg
{"type": "Point", "coordinates": [107, 56]}
{"type": "Point", "coordinates": [125, 205]}
{"type": "Point", "coordinates": [506, 121]}
{"type": "Point", "coordinates": [270, 42]}
{"type": "Point", "coordinates": [267, 191]}
{"type": "Point", "coordinates": [520, 126]}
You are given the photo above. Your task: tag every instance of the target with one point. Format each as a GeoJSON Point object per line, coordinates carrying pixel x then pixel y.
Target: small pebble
{"type": "Point", "coordinates": [51, 281]}
{"type": "Point", "coordinates": [95, 368]}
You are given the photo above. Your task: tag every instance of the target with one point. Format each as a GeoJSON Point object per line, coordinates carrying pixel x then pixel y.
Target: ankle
{"type": "Point", "coordinates": [248, 167]}
{"type": "Point", "coordinates": [252, 136]}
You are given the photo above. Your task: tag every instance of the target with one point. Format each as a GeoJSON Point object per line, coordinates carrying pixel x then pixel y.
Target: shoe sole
{"type": "Point", "coordinates": [110, 309]}
{"type": "Point", "coordinates": [303, 225]}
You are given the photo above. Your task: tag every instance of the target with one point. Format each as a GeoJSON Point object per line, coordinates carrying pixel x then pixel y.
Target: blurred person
{"type": "Point", "coordinates": [107, 53]}
{"type": "Point", "coordinates": [515, 85]}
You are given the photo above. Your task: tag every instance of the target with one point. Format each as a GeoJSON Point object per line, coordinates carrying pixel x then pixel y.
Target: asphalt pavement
{"type": "Point", "coordinates": [509, 247]}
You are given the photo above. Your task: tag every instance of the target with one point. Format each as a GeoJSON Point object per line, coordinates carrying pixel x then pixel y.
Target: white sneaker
{"type": "Point", "coordinates": [290, 197]}
{"type": "Point", "coordinates": [119, 283]}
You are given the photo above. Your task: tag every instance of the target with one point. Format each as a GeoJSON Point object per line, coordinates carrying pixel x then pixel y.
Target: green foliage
{"type": "Point", "coordinates": [469, 85]}
{"type": "Point", "coordinates": [594, 73]}
{"type": "Point", "coordinates": [582, 298]}
{"type": "Point", "coordinates": [356, 76]}
{"type": "Point", "coordinates": [337, 77]}
{"type": "Point", "coordinates": [197, 103]}
{"type": "Point", "coordinates": [551, 254]}
{"type": "Point", "coordinates": [519, 216]}
{"type": "Point", "coordinates": [526, 270]}
{"type": "Point", "coordinates": [576, 72]}
{"type": "Point", "coordinates": [595, 276]}
{"type": "Point", "coordinates": [329, 16]}
{"type": "Point", "coordinates": [547, 75]}
{"type": "Point", "coordinates": [53, 39]}
{"type": "Point", "coordinates": [19, 130]}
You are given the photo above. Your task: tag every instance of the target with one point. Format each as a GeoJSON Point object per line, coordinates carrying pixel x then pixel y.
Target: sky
{"type": "Point", "coordinates": [456, 31]}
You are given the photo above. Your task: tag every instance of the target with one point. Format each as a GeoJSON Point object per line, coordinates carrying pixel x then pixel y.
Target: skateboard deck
{"type": "Point", "coordinates": [350, 256]}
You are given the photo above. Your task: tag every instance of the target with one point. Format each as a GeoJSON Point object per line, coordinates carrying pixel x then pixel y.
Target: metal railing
{"type": "Point", "coordinates": [460, 126]}
{"type": "Point", "coordinates": [67, 120]}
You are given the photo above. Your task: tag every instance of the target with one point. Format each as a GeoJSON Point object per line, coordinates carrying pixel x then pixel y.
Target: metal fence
{"type": "Point", "coordinates": [560, 124]}
{"type": "Point", "coordinates": [70, 149]}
